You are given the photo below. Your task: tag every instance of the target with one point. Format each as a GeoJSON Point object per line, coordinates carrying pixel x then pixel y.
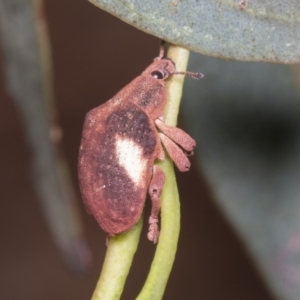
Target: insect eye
{"type": "Point", "coordinates": [157, 75]}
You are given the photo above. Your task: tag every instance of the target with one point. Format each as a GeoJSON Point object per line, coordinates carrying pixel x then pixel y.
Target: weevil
{"type": "Point", "coordinates": [120, 142]}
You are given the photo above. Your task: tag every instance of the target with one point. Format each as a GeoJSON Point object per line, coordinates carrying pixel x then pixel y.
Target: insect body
{"type": "Point", "coordinates": [121, 140]}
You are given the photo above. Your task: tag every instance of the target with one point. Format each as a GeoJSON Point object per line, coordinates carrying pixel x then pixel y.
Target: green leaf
{"type": "Point", "coordinates": [262, 31]}
{"type": "Point", "coordinates": [28, 77]}
{"type": "Point", "coordinates": [246, 120]}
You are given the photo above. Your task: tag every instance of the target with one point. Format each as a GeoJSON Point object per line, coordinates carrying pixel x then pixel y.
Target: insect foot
{"type": "Point", "coordinates": [155, 189]}
{"type": "Point", "coordinates": [153, 233]}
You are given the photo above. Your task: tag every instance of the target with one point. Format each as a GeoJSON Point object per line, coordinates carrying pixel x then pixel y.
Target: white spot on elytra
{"type": "Point", "coordinates": [130, 157]}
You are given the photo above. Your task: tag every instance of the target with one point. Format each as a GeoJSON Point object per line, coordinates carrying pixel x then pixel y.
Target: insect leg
{"type": "Point", "coordinates": [177, 155]}
{"type": "Point", "coordinates": [177, 135]}
{"type": "Point", "coordinates": [155, 189]}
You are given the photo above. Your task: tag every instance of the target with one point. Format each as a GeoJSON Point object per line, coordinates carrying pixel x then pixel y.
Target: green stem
{"type": "Point", "coordinates": [170, 207]}
{"type": "Point", "coordinates": [121, 248]}
{"type": "Point", "coordinates": [118, 259]}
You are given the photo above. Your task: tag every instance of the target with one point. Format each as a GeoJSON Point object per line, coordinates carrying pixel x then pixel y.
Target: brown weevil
{"type": "Point", "coordinates": [121, 139]}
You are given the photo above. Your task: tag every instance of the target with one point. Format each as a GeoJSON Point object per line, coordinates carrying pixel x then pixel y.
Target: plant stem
{"type": "Point", "coordinates": [118, 259]}
{"type": "Point", "coordinates": [170, 207]}
{"type": "Point", "coordinates": [121, 248]}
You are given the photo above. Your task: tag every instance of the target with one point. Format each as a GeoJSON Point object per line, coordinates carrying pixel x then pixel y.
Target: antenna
{"type": "Point", "coordinates": [191, 74]}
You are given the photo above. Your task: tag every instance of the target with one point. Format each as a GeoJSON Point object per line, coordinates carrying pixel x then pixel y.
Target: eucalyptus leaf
{"type": "Point", "coordinates": [27, 62]}
{"type": "Point", "coordinates": [246, 119]}
{"type": "Point", "coordinates": [257, 31]}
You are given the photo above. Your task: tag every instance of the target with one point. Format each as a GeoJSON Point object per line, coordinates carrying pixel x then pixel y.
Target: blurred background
{"type": "Point", "coordinates": [94, 56]}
